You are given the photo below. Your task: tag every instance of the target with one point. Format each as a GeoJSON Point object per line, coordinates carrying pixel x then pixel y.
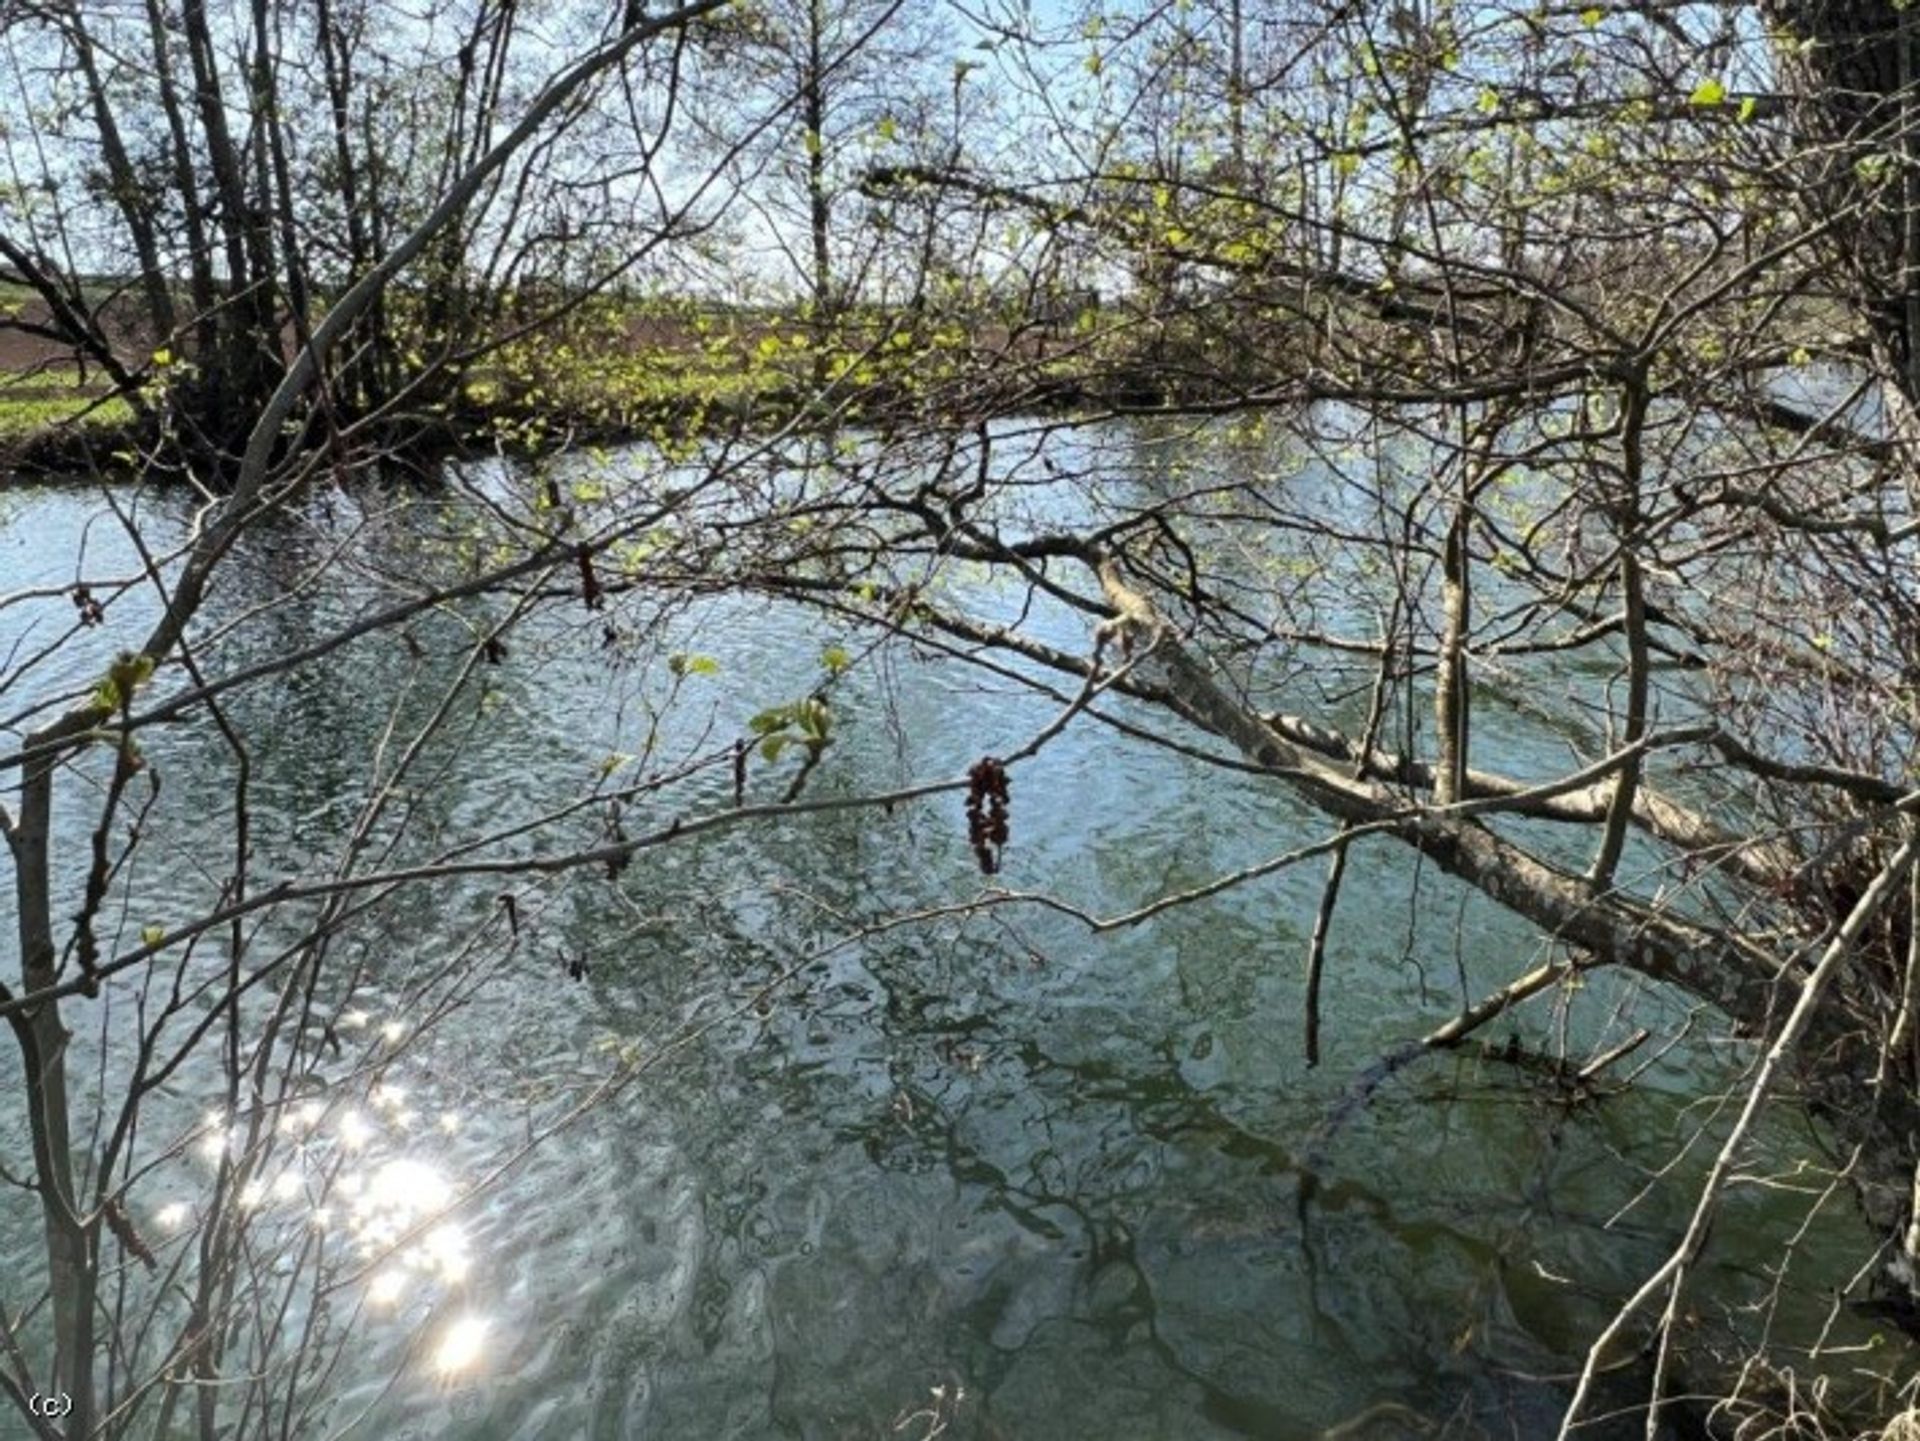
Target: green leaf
{"type": "Point", "coordinates": [682, 664]}
{"type": "Point", "coordinates": [1748, 105]}
{"type": "Point", "coordinates": [767, 721]}
{"type": "Point", "coordinates": [152, 935]}
{"type": "Point", "coordinates": [124, 676]}
{"type": "Point", "coordinates": [813, 719]}
{"type": "Point", "coordinates": [771, 747]}
{"type": "Point", "coordinates": [835, 659]}
{"type": "Point", "coordinates": [132, 671]}
{"type": "Point", "coordinates": [1489, 100]}
{"type": "Point", "coordinates": [1707, 92]}
{"type": "Point", "coordinates": [1592, 16]}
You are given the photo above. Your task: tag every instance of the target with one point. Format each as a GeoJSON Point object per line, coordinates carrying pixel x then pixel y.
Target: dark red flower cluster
{"type": "Point", "coordinates": [129, 1238]}
{"type": "Point", "coordinates": [987, 812]}
{"type": "Point", "coordinates": [90, 610]}
{"type": "Point", "coordinates": [590, 590]}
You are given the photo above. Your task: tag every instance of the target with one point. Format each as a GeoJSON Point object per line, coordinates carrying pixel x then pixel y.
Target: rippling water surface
{"type": "Point", "coordinates": [989, 1172]}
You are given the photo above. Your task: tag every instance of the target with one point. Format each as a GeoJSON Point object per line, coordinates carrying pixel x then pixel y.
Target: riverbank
{"type": "Point", "coordinates": [666, 371]}
{"type": "Point", "coordinates": [58, 432]}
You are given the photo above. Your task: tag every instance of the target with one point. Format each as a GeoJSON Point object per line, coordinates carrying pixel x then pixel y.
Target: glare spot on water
{"type": "Point", "coordinates": [212, 1145]}
{"type": "Point", "coordinates": [371, 1199]}
{"type": "Point", "coordinates": [354, 1020]}
{"type": "Point", "coordinates": [393, 1031]}
{"type": "Point", "coordinates": [172, 1216]}
{"type": "Point", "coordinates": [408, 1189]}
{"type": "Point", "coordinates": [461, 1346]}
{"type": "Point", "coordinates": [446, 1251]}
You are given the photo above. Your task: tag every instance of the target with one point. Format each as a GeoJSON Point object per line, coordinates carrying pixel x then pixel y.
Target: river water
{"type": "Point", "coordinates": [987, 1171]}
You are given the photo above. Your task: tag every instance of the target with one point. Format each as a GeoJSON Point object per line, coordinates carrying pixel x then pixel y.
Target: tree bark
{"type": "Point", "coordinates": [1723, 968]}
{"type": "Point", "coordinates": [42, 1038]}
{"type": "Point", "coordinates": [1626, 521]}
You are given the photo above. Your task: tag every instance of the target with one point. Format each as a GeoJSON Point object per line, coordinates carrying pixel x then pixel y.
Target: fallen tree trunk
{"type": "Point", "coordinates": [1753, 981]}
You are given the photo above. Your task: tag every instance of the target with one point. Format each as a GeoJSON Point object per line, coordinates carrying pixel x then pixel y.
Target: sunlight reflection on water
{"type": "Point", "coordinates": [461, 1346]}
{"type": "Point", "coordinates": [371, 1172]}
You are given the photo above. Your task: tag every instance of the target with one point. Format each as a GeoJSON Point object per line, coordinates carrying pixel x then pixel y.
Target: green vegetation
{"type": "Point", "coordinates": [643, 368]}
{"type": "Point", "coordinates": [624, 369]}
{"type": "Point", "coordinates": [36, 407]}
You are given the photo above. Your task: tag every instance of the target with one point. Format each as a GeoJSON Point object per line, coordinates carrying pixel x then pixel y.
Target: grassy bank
{"type": "Point", "coordinates": [659, 371]}
{"type": "Point", "coordinates": [36, 405]}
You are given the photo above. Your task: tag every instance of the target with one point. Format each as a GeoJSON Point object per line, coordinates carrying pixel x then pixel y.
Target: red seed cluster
{"type": "Point", "coordinates": [987, 813]}
{"type": "Point", "coordinates": [129, 1238]}
{"type": "Point", "coordinates": [590, 589]}
{"type": "Point", "coordinates": [90, 609]}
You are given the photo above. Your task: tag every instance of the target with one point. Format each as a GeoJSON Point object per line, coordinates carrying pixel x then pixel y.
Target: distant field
{"type": "Point", "coordinates": [618, 365]}
{"type": "Point", "coordinates": [36, 402]}
{"type": "Point", "coordinates": [39, 380]}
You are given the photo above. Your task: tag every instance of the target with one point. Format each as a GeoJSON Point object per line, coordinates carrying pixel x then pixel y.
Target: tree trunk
{"type": "Point", "coordinates": [42, 1038]}
{"type": "Point", "coordinates": [813, 115]}
{"type": "Point", "coordinates": [1626, 520]}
